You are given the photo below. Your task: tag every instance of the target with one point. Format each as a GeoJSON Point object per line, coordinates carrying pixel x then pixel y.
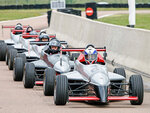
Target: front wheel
{"type": "Point", "coordinates": [12, 55]}
{"type": "Point", "coordinates": [18, 69]}
{"type": "Point", "coordinates": [136, 89]}
{"type": "Point", "coordinates": [29, 75]}
{"type": "Point", "coordinates": [49, 82]}
{"type": "Point", "coordinates": [61, 90]}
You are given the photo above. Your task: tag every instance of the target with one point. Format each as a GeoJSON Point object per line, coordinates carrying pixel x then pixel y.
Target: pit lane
{"type": "Point", "coordinates": [14, 98]}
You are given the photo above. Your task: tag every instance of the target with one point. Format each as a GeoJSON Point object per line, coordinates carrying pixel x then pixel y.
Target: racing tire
{"type": "Point", "coordinates": [23, 56]}
{"type": "Point", "coordinates": [49, 82]}
{"type": "Point", "coordinates": [12, 55]}
{"type": "Point", "coordinates": [3, 47]}
{"type": "Point", "coordinates": [29, 75]}
{"type": "Point", "coordinates": [18, 69]}
{"type": "Point", "coordinates": [7, 54]}
{"type": "Point", "coordinates": [136, 89]}
{"type": "Point", "coordinates": [75, 56]}
{"type": "Point", "coordinates": [120, 71]}
{"type": "Point", "coordinates": [61, 90]}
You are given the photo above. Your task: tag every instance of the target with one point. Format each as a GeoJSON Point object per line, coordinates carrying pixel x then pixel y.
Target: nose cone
{"type": "Point", "coordinates": [102, 93]}
{"type": "Point", "coordinates": [62, 67]}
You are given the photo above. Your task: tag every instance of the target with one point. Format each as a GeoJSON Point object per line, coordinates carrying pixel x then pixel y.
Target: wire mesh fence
{"type": "Point", "coordinates": [33, 2]}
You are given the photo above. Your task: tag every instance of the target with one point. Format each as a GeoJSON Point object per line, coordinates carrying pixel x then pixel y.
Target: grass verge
{"type": "Point", "coordinates": [142, 20]}
{"type": "Point", "coordinates": [20, 14]}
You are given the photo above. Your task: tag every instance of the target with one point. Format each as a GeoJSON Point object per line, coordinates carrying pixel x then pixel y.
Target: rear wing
{"type": "Point", "coordinates": [81, 49]}
{"type": "Point", "coordinates": [35, 36]}
{"type": "Point", "coordinates": [44, 43]}
{"type": "Point", "coordinates": [12, 26]}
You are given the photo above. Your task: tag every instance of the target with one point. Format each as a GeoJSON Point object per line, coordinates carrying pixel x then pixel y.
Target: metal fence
{"type": "Point", "coordinates": [34, 2]}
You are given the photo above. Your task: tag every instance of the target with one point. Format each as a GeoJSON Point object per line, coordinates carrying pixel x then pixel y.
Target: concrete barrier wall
{"type": "Point", "coordinates": [126, 46]}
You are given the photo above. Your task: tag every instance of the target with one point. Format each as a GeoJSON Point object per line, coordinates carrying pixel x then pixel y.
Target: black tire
{"type": "Point", "coordinates": [61, 90]}
{"type": "Point", "coordinates": [49, 82]}
{"type": "Point", "coordinates": [75, 56]}
{"type": "Point", "coordinates": [7, 54]}
{"type": "Point", "coordinates": [120, 71]}
{"type": "Point", "coordinates": [3, 47]}
{"type": "Point", "coordinates": [18, 69]}
{"type": "Point", "coordinates": [29, 75]}
{"type": "Point", "coordinates": [12, 55]}
{"type": "Point", "coordinates": [23, 56]}
{"type": "Point", "coordinates": [136, 89]}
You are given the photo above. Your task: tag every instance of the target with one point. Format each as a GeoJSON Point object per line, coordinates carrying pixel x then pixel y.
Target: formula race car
{"type": "Point", "coordinates": [16, 33]}
{"type": "Point", "coordinates": [46, 69]}
{"type": "Point", "coordinates": [32, 54]}
{"type": "Point", "coordinates": [90, 81]}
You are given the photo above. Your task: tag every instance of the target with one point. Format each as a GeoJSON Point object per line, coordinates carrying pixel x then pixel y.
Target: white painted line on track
{"type": "Point", "coordinates": [105, 16]}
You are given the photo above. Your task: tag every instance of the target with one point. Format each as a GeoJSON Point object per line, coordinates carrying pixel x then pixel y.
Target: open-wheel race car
{"type": "Point", "coordinates": [91, 81]}
{"type": "Point", "coordinates": [32, 54]}
{"type": "Point", "coordinates": [49, 65]}
{"type": "Point", "coordinates": [15, 42]}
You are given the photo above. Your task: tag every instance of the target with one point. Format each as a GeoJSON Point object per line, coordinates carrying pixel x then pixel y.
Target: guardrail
{"type": "Point", "coordinates": [126, 46]}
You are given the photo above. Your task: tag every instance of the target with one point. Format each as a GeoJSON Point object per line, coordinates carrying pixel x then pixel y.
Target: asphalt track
{"type": "Point", "coordinates": [14, 98]}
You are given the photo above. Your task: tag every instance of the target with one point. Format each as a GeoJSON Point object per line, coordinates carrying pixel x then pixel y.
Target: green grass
{"type": "Point", "coordinates": [142, 20]}
{"type": "Point", "coordinates": [21, 2]}
{"type": "Point", "coordinates": [19, 14]}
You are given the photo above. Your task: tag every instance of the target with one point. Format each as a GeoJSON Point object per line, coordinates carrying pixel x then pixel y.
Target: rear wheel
{"type": "Point", "coordinates": [18, 69]}
{"type": "Point", "coordinates": [29, 75]}
{"type": "Point", "coordinates": [23, 56]}
{"type": "Point", "coordinates": [7, 54]}
{"type": "Point", "coordinates": [49, 82]}
{"type": "Point", "coordinates": [61, 90]}
{"type": "Point", "coordinates": [120, 71]}
{"type": "Point", "coordinates": [136, 89]}
{"type": "Point", "coordinates": [3, 47]}
{"type": "Point", "coordinates": [12, 53]}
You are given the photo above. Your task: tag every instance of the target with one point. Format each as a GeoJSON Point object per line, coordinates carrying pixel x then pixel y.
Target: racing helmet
{"type": "Point", "coordinates": [90, 54]}
{"type": "Point", "coordinates": [29, 29]}
{"type": "Point", "coordinates": [18, 27]}
{"type": "Point", "coordinates": [44, 38]}
{"type": "Point", "coordinates": [54, 46]}
{"type": "Point", "coordinates": [33, 33]}
{"type": "Point", "coordinates": [42, 32]}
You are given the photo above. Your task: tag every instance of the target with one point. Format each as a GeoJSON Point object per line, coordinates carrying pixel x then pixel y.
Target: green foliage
{"type": "Point", "coordinates": [142, 20]}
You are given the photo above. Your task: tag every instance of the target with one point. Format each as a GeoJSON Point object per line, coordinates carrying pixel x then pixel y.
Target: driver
{"type": "Point", "coordinates": [44, 38]}
{"type": "Point", "coordinates": [18, 27]}
{"type": "Point", "coordinates": [90, 54]}
{"type": "Point", "coordinates": [53, 47]}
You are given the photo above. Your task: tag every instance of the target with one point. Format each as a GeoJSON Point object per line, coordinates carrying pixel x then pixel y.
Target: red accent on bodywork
{"type": "Point", "coordinates": [27, 36]}
{"type": "Point", "coordinates": [79, 50]}
{"type": "Point", "coordinates": [52, 36]}
{"type": "Point", "coordinates": [12, 26]}
{"type": "Point", "coordinates": [100, 58]}
{"type": "Point", "coordinates": [39, 82]}
{"type": "Point", "coordinates": [81, 58]}
{"type": "Point", "coordinates": [83, 98]}
{"type": "Point", "coordinates": [122, 98]}
{"type": "Point", "coordinates": [14, 31]}
{"type": "Point", "coordinates": [37, 39]}
{"type": "Point", "coordinates": [96, 98]}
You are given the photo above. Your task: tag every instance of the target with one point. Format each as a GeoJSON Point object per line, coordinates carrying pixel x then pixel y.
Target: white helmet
{"type": "Point", "coordinates": [90, 54]}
